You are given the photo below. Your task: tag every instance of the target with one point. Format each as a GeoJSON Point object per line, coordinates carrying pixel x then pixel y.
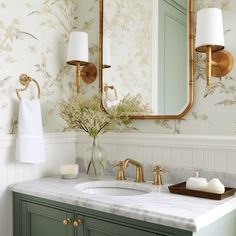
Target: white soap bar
{"type": "Point", "coordinates": [215, 186]}
{"type": "Point", "coordinates": [196, 183]}
{"type": "Point", "coordinates": [71, 169]}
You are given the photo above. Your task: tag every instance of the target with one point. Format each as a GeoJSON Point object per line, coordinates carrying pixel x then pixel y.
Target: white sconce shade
{"type": "Point", "coordinates": [106, 53]}
{"type": "Point", "coordinates": [209, 30]}
{"type": "Point", "coordinates": [78, 48]}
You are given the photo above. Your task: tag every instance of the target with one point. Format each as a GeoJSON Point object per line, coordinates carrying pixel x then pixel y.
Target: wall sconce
{"type": "Point", "coordinates": [106, 53]}
{"type": "Point", "coordinates": [78, 56]}
{"type": "Point", "coordinates": [210, 40]}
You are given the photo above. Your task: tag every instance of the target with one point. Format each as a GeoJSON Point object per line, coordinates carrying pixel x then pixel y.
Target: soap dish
{"type": "Point", "coordinates": [181, 189]}
{"type": "Point", "coordinates": [69, 176]}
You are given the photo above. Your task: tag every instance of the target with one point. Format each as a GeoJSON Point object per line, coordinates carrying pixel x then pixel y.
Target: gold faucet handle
{"type": "Point", "coordinates": [159, 169]}
{"type": "Point", "coordinates": [121, 168]}
{"type": "Point", "coordinates": [157, 178]}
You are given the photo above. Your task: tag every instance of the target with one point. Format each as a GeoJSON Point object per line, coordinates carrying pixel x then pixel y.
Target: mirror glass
{"type": "Point", "coordinates": [146, 56]}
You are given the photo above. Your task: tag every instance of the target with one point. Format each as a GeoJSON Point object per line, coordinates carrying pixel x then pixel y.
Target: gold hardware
{"type": "Point", "coordinates": [88, 73]}
{"type": "Point", "coordinates": [223, 63]}
{"type": "Point", "coordinates": [191, 63]}
{"type": "Point", "coordinates": [67, 221]}
{"type": "Point", "coordinates": [106, 89]}
{"type": "Point", "coordinates": [121, 173]}
{"type": "Point", "coordinates": [77, 223]}
{"type": "Point", "coordinates": [139, 169]}
{"type": "Point", "coordinates": [218, 63]}
{"type": "Point", "coordinates": [25, 80]}
{"type": "Point", "coordinates": [157, 178]}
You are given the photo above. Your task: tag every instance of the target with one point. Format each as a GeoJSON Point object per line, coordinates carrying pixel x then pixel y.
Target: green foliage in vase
{"type": "Point", "coordinates": [88, 115]}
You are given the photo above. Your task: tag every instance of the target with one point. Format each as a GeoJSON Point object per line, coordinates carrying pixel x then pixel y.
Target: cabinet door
{"type": "Point", "coordinates": [39, 220]}
{"type": "Point", "coordinates": [96, 227]}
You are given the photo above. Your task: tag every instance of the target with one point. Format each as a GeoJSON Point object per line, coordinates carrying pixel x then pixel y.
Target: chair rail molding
{"type": "Point", "coordinates": [165, 140]}
{"type": "Point", "coordinates": [143, 139]}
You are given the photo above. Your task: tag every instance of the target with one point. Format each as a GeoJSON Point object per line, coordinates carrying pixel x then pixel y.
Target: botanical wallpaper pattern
{"type": "Point", "coordinates": [34, 41]}
{"type": "Point", "coordinates": [128, 25]}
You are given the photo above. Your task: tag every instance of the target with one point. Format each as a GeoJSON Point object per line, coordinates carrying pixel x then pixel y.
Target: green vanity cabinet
{"type": "Point", "coordinates": [39, 220]}
{"type": "Point", "coordinates": [35, 216]}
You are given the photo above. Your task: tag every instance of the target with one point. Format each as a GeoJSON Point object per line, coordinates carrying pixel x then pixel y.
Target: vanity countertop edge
{"type": "Point", "coordinates": [158, 207]}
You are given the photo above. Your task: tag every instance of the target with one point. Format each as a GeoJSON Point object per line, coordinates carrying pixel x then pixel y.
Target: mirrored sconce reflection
{"type": "Point", "coordinates": [106, 53]}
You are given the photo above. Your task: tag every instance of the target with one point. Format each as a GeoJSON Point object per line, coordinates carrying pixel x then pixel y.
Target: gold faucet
{"type": "Point", "coordinates": [157, 178]}
{"type": "Point", "coordinates": [124, 164]}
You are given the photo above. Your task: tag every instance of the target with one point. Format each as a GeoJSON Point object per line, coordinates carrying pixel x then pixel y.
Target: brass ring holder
{"type": "Point", "coordinates": [111, 87]}
{"type": "Point", "coordinates": [25, 81]}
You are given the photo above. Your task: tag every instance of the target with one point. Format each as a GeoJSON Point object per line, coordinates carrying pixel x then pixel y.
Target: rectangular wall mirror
{"type": "Point", "coordinates": [147, 53]}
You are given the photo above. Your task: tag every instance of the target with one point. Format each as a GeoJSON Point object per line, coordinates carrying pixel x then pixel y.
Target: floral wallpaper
{"type": "Point", "coordinates": [128, 25]}
{"type": "Point", "coordinates": [34, 41]}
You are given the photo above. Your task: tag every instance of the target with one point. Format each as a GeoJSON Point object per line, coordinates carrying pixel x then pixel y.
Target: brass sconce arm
{"type": "Point", "coordinates": [88, 73]}
{"type": "Point", "coordinates": [218, 63]}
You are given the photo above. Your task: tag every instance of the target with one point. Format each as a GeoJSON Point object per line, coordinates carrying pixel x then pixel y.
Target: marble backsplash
{"type": "Point", "coordinates": [172, 176]}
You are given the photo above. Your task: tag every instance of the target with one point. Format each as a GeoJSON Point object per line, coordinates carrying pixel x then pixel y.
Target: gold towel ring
{"type": "Point", "coordinates": [25, 80]}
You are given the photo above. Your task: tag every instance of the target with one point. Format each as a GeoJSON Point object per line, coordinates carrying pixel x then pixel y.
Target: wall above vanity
{"type": "Point", "coordinates": [213, 111]}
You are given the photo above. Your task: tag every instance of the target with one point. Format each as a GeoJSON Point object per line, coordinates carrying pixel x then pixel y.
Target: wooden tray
{"type": "Point", "coordinates": [181, 189]}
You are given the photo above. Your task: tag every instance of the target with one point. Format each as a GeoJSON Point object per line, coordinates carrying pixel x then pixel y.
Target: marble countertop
{"type": "Point", "coordinates": [159, 206]}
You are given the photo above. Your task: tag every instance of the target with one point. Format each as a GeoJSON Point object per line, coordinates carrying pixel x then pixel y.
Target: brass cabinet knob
{"type": "Point", "coordinates": [77, 223]}
{"type": "Point", "coordinates": [67, 221]}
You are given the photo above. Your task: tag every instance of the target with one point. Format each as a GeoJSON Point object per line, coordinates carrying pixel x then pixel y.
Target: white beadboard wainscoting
{"type": "Point", "coordinates": [213, 153]}
{"type": "Point", "coordinates": [60, 149]}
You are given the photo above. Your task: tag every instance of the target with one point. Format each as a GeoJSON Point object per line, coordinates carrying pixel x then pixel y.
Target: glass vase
{"type": "Point", "coordinates": [95, 161]}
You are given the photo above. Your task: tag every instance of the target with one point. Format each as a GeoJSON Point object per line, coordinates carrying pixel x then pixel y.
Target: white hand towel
{"type": "Point", "coordinates": [29, 142]}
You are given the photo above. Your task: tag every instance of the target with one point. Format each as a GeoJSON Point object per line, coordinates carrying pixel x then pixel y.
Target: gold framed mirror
{"type": "Point", "coordinates": [146, 62]}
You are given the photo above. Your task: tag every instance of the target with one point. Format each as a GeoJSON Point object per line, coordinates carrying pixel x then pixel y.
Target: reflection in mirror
{"type": "Point", "coordinates": [146, 54]}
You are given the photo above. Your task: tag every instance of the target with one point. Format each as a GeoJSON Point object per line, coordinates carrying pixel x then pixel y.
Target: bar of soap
{"type": "Point", "coordinates": [70, 170]}
{"type": "Point", "coordinates": [215, 186]}
{"type": "Point", "coordinates": [197, 183]}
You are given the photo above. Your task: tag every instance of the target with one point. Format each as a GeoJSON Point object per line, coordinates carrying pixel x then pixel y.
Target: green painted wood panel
{"type": "Point", "coordinates": [45, 221]}
{"type": "Point", "coordinates": [96, 227]}
{"type": "Point", "coordinates": [172, 57]}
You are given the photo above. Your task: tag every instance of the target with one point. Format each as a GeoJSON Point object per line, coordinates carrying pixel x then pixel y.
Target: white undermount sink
{"type": "Point", "coordinates": [113, 188]}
